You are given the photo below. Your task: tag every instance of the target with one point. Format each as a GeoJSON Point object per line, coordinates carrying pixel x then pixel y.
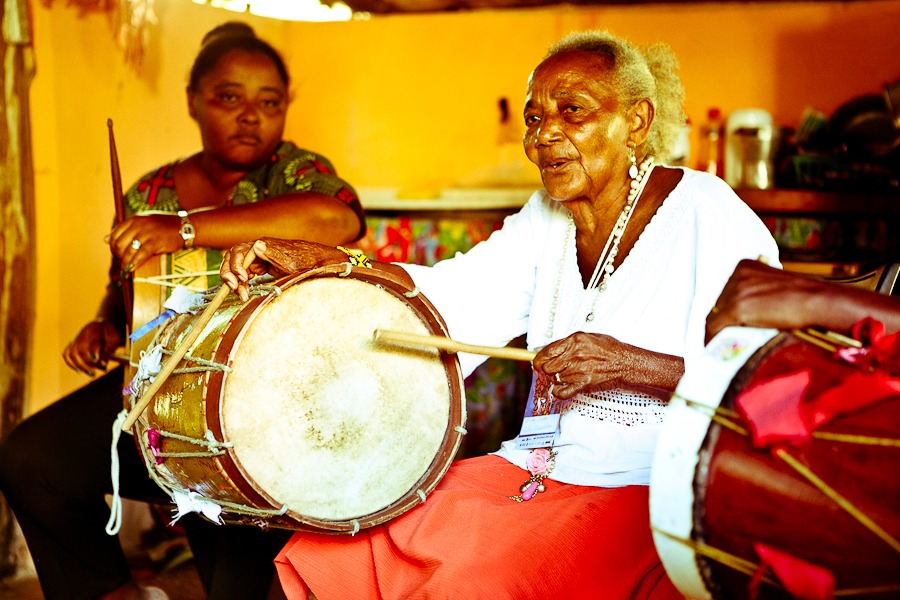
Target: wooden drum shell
{"type": "Point", "coordinates": [192, 403]}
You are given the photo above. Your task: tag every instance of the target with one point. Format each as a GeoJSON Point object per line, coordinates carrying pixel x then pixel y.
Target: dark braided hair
{"type": "Point", "coordinates": [222, 39]}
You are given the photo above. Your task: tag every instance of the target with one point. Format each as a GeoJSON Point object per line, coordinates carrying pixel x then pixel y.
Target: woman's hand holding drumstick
{"type": "Point", "coordinates": [182, 349]}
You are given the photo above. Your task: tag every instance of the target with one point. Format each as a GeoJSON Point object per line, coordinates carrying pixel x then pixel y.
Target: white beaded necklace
{"type": "Point", "coordinates": [605, 263]}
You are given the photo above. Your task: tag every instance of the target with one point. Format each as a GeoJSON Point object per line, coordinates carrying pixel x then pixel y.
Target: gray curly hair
{"type": "Point", "coordinates": [651, 74]}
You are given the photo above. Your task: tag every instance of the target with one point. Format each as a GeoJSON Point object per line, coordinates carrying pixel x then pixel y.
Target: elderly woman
{"type": "Point", "coordinates": [610, 270]}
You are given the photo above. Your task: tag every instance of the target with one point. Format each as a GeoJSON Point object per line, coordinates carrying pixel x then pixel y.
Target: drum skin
{"type": "Point", "coordinates": [340, 443]}
{"type": "Point", "coordinates": [715, 489]}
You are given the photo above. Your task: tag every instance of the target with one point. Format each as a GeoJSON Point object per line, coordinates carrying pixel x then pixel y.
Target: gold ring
{"type": "Point", "coordinates": [715, 309]}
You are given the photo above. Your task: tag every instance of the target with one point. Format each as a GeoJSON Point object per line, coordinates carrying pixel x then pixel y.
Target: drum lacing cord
{"type": "Point", "coordinates": [259, 289]}
{"type": "Point", "coordinates": [168, 280]}
{"type": "Point", "coordinates": [115, 517]}
{"type": "Point", "coordinates": [728, 418]}
{"type": "Point", "coordinates": [214, 447]}
{"type": "Point", "coordinates": [171, 488]}
{"type": "Point", "coordinates": [413, 293]}
{"type": "Point", "coordinates": [203, 364]}
{"type": "Point", "coordinates": [460, 430]}
{"type": "Point", "coordinates": [749, 568]}
{"type": "Point", "coordinates": [725, 418]}
{"type": "Point", "coordinates": [262, 290]}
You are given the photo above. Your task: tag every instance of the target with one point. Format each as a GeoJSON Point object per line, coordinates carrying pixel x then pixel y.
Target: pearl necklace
{"type": "Point", "coordinates": [605, 263]}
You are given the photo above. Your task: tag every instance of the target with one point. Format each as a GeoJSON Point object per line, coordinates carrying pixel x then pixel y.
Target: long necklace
{"type": "Point", "coordinates": [605, 262]}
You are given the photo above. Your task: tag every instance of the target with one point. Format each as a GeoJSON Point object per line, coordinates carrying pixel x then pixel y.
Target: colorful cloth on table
{"type": "Point", "coordinates": [496, 549]}
{"type": "Point", "coordinates": [658, 299]}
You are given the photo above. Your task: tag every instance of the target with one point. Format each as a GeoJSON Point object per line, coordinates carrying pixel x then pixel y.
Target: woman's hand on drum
{"type": "Point", "coordinates": [139, 238]}
{"type": "Point", "coordinates": [94, 343]}
{"type": "Point", "coordinates": [274, 256]}
{"type": "Point", "coordinates": [757, 295]}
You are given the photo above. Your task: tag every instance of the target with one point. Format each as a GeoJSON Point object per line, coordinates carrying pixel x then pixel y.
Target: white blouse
{"type": "Point", "coordinates": [658, 299]}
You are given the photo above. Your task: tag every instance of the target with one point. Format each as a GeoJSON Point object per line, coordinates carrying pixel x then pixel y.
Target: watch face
{"type": "Point", "coordinates": [187, 232]}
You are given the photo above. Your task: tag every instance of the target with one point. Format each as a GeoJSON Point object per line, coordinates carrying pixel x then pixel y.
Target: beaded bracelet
{"type": "Point", "coordinates": [356, 257]}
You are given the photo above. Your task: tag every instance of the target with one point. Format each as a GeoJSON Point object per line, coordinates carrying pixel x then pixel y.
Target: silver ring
{"type": "Point", "coordinates": [136, 244]}
{"type": "Point", "coordinates": [558, 380]}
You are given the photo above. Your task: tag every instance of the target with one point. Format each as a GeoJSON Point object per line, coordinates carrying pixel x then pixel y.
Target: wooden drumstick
{"type": "Point", "coordinates": [450, 345]}
{"type": "Point", "coordinates": [181, 350]}
{"type": "Point", "coordinates": [119, 202]}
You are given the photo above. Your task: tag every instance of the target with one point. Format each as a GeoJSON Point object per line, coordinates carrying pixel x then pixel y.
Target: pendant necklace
{"type": "Point", "coordinates": [541, 461]}
{"type": "Point", "coordinates": [605, 263]}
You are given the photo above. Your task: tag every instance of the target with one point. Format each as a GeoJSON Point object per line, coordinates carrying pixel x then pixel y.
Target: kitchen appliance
{"type": "Point", "coordinates": [750, 145]}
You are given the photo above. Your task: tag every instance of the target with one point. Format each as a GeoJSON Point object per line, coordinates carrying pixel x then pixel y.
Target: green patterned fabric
{"type": "Point", "coordinates": [291, 169]}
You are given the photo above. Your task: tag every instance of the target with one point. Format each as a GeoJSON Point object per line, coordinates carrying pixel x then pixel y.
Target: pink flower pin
{"type": "Point", "coordinates": [538, 462]}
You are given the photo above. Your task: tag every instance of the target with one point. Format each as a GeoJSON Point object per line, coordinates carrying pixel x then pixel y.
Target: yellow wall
{"type": "Point", "coordinates": [405, 101]}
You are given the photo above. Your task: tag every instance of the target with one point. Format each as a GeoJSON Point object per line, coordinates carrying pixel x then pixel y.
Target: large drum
{"type": "Point", "coordinates": [731, 491]}
{"type": "Point", "coordinates": [286, 413]}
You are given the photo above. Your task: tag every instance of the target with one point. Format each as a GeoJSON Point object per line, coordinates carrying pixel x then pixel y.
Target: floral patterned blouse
{"type": "Point", "coordinates": [291, 169]}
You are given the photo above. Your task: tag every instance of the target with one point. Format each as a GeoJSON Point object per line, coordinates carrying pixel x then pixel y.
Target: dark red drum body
{"type": "Point", "coordinates": [716, 498]}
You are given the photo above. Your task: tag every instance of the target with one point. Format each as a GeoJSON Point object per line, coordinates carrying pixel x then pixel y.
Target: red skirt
{"type": "Point", "coordinates": [469, 540]}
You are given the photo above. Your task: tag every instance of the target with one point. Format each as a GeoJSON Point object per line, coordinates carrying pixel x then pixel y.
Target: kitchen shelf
{"type": "Point", "coordinates": [816, 202]}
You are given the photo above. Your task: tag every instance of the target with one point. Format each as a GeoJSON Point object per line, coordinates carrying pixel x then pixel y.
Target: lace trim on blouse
{"type": "Point", "coordinates": [619, 407]}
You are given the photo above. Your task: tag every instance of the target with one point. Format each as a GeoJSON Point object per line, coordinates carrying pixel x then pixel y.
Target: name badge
{"type": "Point", "coordinates": [540, 427]}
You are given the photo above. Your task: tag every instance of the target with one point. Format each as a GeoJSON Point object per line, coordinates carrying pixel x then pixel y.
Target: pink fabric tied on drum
{"type": "Point", "coordinates": [878, 350]}
{"type": "Point", "coordinates": [772, 409]}
{"type": "Point", "coordinates": [801, 579]}
{"type": "Point", "coordinates": [780, 412]}
{"type": "Point", "coordinates": [154, 441]}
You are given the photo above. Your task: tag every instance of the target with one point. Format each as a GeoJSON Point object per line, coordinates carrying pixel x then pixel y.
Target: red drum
{"type": "Point", "coordinates": [721, 505]}
{"type": "Point", "coordinates": [286, 413]}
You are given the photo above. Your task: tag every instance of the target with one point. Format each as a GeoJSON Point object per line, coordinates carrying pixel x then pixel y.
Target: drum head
{"type": "Point", "coordinates": [325, 421]}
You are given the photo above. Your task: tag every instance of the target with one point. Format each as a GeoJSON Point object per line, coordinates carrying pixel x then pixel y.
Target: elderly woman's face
{"type": "Point", "coordinates": [576, 130]}
{"type": "Point", "coordinates": [240, 106]}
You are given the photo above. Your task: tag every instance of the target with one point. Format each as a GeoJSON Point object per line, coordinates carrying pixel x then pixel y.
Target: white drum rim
{"type": "Point", "coordinates": [677, 455]}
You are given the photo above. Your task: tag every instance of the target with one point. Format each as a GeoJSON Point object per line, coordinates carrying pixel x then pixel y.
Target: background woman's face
{"type": "Point", "coordinates": [240, 106]}
{"type": "Point", "coordinates": [576, 130]}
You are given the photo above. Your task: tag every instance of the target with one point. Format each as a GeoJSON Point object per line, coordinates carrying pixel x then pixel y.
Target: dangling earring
{"type": "Point", "coordinates": [632, 170]}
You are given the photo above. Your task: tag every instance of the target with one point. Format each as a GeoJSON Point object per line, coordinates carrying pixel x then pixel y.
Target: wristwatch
{"type": "Point", "coordinates": [187, 229]}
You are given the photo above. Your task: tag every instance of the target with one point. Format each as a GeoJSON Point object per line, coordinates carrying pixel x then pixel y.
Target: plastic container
{"type": "Point", "coordinates": [750, 147]}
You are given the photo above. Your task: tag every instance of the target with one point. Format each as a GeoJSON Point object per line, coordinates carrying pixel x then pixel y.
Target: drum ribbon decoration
{"type": "Point", "coordinates": [784, 412]}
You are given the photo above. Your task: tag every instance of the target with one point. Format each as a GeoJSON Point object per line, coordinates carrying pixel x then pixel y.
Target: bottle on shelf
{"type": "Point", "coordinates": [711, 143]}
